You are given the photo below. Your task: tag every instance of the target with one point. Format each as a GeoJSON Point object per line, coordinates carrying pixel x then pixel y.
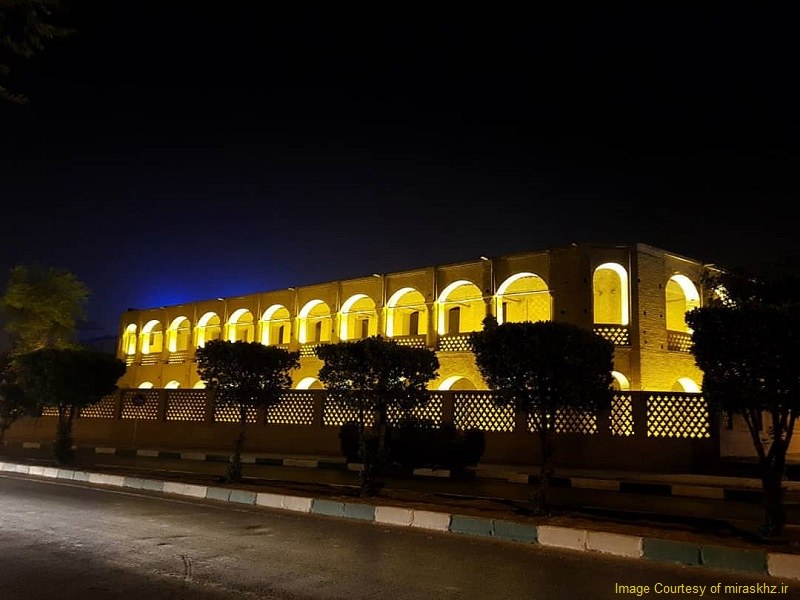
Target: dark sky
{"type": "Point", "coordinates": [175, 151]}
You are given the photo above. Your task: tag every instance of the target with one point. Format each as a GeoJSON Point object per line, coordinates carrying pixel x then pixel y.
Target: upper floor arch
{"type": "Point", "coordinates": [523, 297]}
{"type": "Point", "coordinates": [208, 328]}
{"type": "Point", "coordinates": [178, 335]}
{"type": "Point", "coordinates": [129, 339]}
{"type": "Point", "coordinates": [241, 326]}
{"type": "Point", "coordinates": [681, 296]}
{"type": "Point", "coordinates": [152, 337]}
{"type": "Point", "coordinates": [314, 323]}
{"type": "Point", "coordinates": [276, 326]}
{"type": "Point", "coordinates": [358, 318]}
{"type": "Point", "coordinates": [611, 304]}
{"type": "Point", "coordinates": [461, 308]}
{"type": "Point", "coordinates": [406, 313]}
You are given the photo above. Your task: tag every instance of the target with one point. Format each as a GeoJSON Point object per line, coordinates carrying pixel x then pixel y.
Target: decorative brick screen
{"type": "Point", "coordinates": [102, 410]}
{"type": "Point", "coordinates": [49, 411]}
{"type": "Point", "coordinates": [150, 359]}
{"type": "Point", "coordinates": [175, 358]}
{"type": "Point", "coordinates": [477, 410]}
{"type": "Point", "coordinates": [677, 416]}
{"type": "Point", "coordinates": [295, 408]}
{"type": "Point", "coordinates": [622, 415]}
{"type": "Point", "coordinates": [412, 341]}
{"type": "Point", "coordinates": [186, 405]}
{"type": "Point", "coordinates": [679, 341]}
{"type": "Point", "coordinates": [570, 421]}
{"type": "Point", "coordinates": [457, 342]}
{"type": "Point", "coordinates": [230, 414]}
{"type": "Point", "coordinates": [307, 350]}
{"type": "Point", "coordinates": [431, 412]}
{"type": "Point", "coordinates": [616, 334]}
{"type": "Point", "coordinates": [147, 411]}
{"type": "Point", "coordinates": [335, 414]}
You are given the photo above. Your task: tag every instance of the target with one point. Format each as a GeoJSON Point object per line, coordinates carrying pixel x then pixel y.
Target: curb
{"type": "Point", "coordinates": [775, 564]}
{"type": "Point", "coordinates": [683, 490]}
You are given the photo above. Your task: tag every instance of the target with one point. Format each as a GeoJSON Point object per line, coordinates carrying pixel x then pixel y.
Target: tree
{"type": "Point", "coordinates": [42, 307]}
{"type": "Point", "coordinates": [24, 29]}
{"type": "Point", "coordinates": [374, 376]}
{"type": "Point", "coordinates": [67, 379]}
{"type": "Point", "coordinates": [14, 403]}
{"type": "Point", "coordinates": [245, 375]}
{"type": "Point", "coordinates": [746, 340]}
{"type": "Point", "coordinates": [542, 369]}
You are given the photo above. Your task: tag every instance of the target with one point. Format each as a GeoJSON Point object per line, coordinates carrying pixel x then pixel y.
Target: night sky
{"type": "Point", "coordinates": [177, 151]}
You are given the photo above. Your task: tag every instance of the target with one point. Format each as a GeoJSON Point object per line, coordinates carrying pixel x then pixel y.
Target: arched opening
{"type": "Point", "coordinates": [129, 340]}
{"type": "Point", "coordinates": [208, 329]}
{"type": "Point", "coordinates": [461, 308]}
{"type": "Point", "coordinates": [309, 383]}
{"type": "Point", "coordinates": [152, 337]}
{"type": "Point", "coordinates": [681, 297]}
{"type": "Point", "coordinates": [241, 327]}
{"type": "Point", "coordinates": [610, 293]}
{"type": "Point", "coordinates": [406, 313]}
{"type": "Point", "coordinates": [200, 385]}
{"type": "Point", "coordinates": [357, 318]}
{"type": "Point", "coordinates": [457, 382]}
{"type": "Point", "coordinates": [178, 335]}
{"type": "Point", "coordinates": [276, 327]}
{"type": "Point", "coordinates": [173, 385]}
{"type": "Point", "coordinates": [685, 384]}
{"type": "Point", "coordinates": [523, 297]}
{"type": "Point", "coordinates": [145, 385]}
{"type": "Point", "coordinates": [314, 323]}
{"type": "Point", "coordinates": [619, 382]}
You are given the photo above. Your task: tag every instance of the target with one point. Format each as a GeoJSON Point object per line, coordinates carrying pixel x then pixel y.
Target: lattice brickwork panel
{"type": "Point", "coordinates": [477, 410]}
{"type": "Point", "coordinates": [570, 421]}
{"type": "Point", "coordinates": [129, 360]}
{"type": "Point", "coordinates": [308, 350]}
{"type": "Point", "coordinates": [412, 341]}
{"type": "Point", "coordinates": [679, 341]}
{"type": "Point", "coordinates": [334, 413]}
{"type": "Point", "coordinates": [186, 405]}
{"type": "Point", "coordinates": [230, 414]}
{"type": "Point", "coordinates": [49, 411]}
{"type": "Point", "coordinates": [175, 358]}
{"type": "Point", "coordinates": [150, 359]}
{"type": "Point", "coordinates": [431, 412]}
{"type": "Point", "coordinates": [295, 408]}
{"type": "Point", "coordinates": [616, 334]}
{"type": "Point", "coordinates": [458, 342]}
{"type": "Point", "coordinates": [102, 410]}
{"type": "Point", "coordinates": [677, 416]}
{"type": "Point", "coordinates": [622, 415]}
{"type": "Point", "coordinates": [147, 411]}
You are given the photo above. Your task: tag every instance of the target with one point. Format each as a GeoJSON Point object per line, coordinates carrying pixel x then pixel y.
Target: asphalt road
{"type": "Point", "coordinates": [65, 541]}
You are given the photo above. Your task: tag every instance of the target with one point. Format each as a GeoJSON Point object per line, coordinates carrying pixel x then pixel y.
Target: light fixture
{"type": "Point", "coordinates": [484, 258]}
{"type": "Point", "coordinates": [376, 274]}
{"type": "Point", "coordinates": [221, 299]}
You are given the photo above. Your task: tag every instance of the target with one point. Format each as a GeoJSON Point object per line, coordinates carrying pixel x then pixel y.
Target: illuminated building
{"type": "Point", "coordinates": [634, 295]}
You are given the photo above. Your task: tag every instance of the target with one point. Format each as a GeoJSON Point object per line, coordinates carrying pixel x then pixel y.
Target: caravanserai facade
{"type": "Point", "coordinates": [634, 295]}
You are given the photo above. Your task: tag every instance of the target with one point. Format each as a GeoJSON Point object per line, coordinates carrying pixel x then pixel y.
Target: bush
{"type": "Point", "coordinates": [416, 443]}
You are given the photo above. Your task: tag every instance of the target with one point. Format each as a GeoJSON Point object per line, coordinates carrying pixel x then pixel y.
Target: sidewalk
{"type": "Point", "coordinates": [509, 521]}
